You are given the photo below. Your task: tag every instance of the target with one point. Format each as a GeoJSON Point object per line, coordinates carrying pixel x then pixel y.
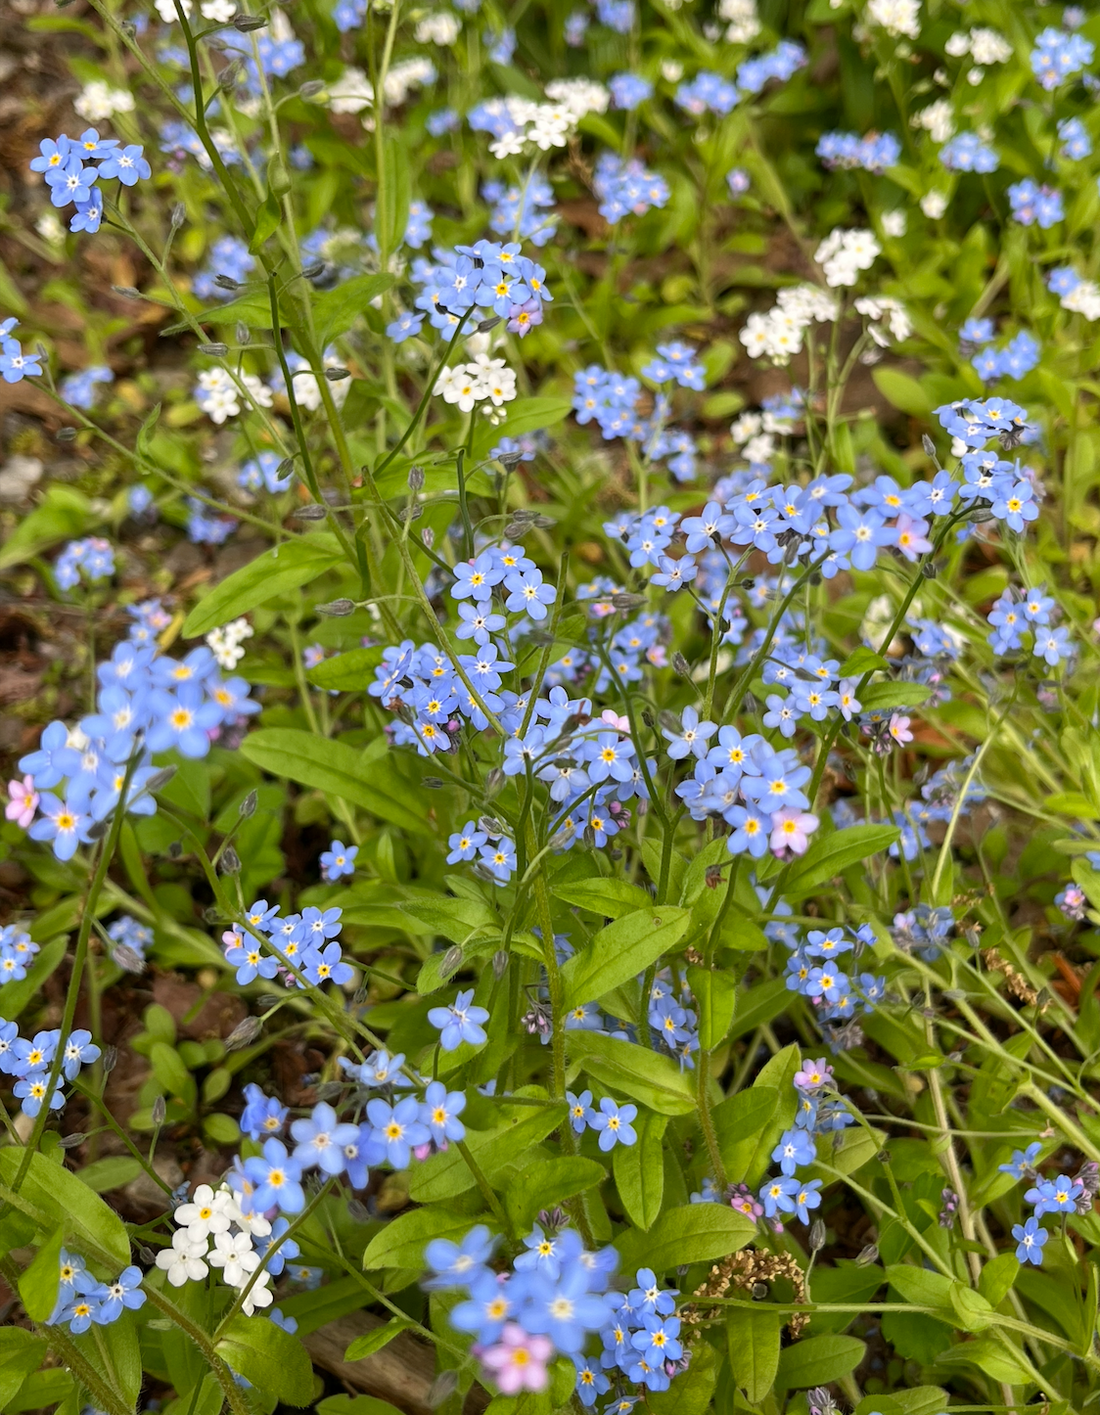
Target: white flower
{"type": "Point", "coordinates": [351, 93]}
{"type": "Point", "coordinates": [894, 321]}
{"type": "Point", "coordinates": [183, 1262]}
{"type": "Point", "coordinates": [808, 303]}
{"type": "Point", "coordinates": [441, 28]}
{"type": "Point", "coordinates": [897, 17]}
{"type": "Point", "coordinates": [234, 1254]}
{"type": "Point", "coordinates": [934, 204]}
{"type": "Point", "coordinates": [938, 119]}
{"type": "Point", "coordinates": [746, 426]}
{"type": "Point", "coordinates": [499, 384]}
{"type": "Point", "coordinates": [220, 11]}
{"type": "Point", "coordinates": [49, 227]}
{"type": "Point", "coordinates": [988, 47]}
{"type": "Point", "coordinates": [166, 9]}
{"type": "Point", "coordinates": [743, 22]}
{"type": "Point", "coordinates": [958, 44]}
{"type": "Point", "coordinates": [258, 391]}
{"type": "Point", "coordinates": [754, 335]}
{"type": "Point", "coordinates": [759, 449]}
{"type": "Point", "coordinates": [403, 78]}
{"type": "Point", "coordinates": [259, 1296]}
{"type": "Point", "coordinates": [459, 385]}
{"type": "Point", "coordinates": [579, 96]}
{"type": "Point", "coordinates": [894, 223]}
{"type": "Point", "coordinates": [1084, 299]}
{"type": "Point", "coordinates": [207, 1213]}
{"type": "Point", "coordinates": [671, 71]}
{"type": "Point", "coordinates": [843, 254]}
{"type": "Point", "coordinates": [975, 76]}
{"type": "Point", "coordinates": [97, 101]}
{"type": "Point", "coordinates": [510, 145]}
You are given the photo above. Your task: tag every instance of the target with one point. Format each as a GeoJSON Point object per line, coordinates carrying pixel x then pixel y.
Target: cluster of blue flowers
{"type": "Point", "coordinates": [626, 187]}
{"type": "Point", "coordinates": [83, 1300]}
{"type": "Point", "coordinates": [557, 1298]}
{"type": "Point", "coordinates": [488, 278]}
{"type": "Point", "coordinates": [78, 389]}
{"type": "Point", "coordinates": [1018, 357]}
{"type": "Point", "coordinates": [17, 950]}
{"type": "Point", "coordinates": [1058, 55]}
{"type": "Point", "coordinates": [146, 703]}
{"type": "Point", "coordinates": [611, 1121]}
{"type": "Point", "coordinates": [66, 167]}
{"type": "Point", "coordinates": [92, 558]}
{"type": "Point", "coordinates": [812, 971]}
{"type": "Point", "coordinates": [305, 947]}
{"type": "Point", "coordinates": [15, 365]}
{"type": "Point", "coordinates": [126, 932]}
{"type": "Point", "coordinates": [230, 258]}
{"type": "Point", "coordinates": [614, 401]}
{"type": "Point", "coordinates": [629, 90]}
{"type": "Point", "coordinates": [262, 473]}
{"type": "Point", "coordinates": [873, 153]}
{"type": "Point", "coordinates": [30, 1061]}
{"type": "Point", "coordinates": [966, 152]}
{"type": "Point", "coordinates": [1061, 1195]}
{"type": "Point", "coordinates": [1076, 143]}
{"type": "Point", "coordinates": [711, 93]}
{"type": "Point", "coordinates": [517, 211]}
{"type": "Point", "coordinates": [1035, 205]}
{"type": "Point", "coordinates": [204, 529]}
{"type": "Point", "coordinates": [1014, 615]}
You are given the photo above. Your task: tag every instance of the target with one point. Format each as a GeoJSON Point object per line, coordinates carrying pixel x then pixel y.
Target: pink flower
{"type": "Point", "coordinates": [518, 1361]}
{"type": "Point", "coordinates": [912, 537]}
{"type": "Point", "coordinates": [23, 803]}
{"type": "Point", "coordinates": [620, 724]}
{"type": "Point", "coordinates": [899, 729]}
{"type": "Point", "coordinates": [791, 831]}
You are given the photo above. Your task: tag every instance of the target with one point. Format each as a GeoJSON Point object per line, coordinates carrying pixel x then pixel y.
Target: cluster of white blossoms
{"type": "Point", "coordinates": [545, 125]}
{"type": "Point", "coordinates": [900, 18]}
{"type": "Point", "coordinates": [214, 1216]}
{"type": "Point", "coordinates": [843, 254]}
{"type": "Point", "coordinates": [890, 319]}
{"type": "Point", "coordinates": [220, 11]}
{"type": "Point", "coordinates": [441, 28]}
{"type": "Point", "coordinates": [742, 21]}
{"type": "Point", "coordinates": [220, 397]}
{"type": "Point", "coordinates": [353, 91]}
{"type": "Point", "coordinates": [938, 119]}
{"type": "Point", "coordinates": [226, 643]}
{"type": "Point", "coordinates": [483, 380]}
{"type": "Point", "coordinates": [307, 390]}
{"type": "Point", "coordinates": [985, 46]}
{"type": "Point", "coordinates": [97, 101]}
{"type": "Point", "coordinates": [778, 333]}
{"type": "Point", "coordinates": [1084, 299]}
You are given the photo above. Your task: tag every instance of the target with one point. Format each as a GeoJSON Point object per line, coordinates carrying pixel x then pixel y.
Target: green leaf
{"type": "Point", "coordinates": [116, 1346]}
{"type": "Point", "coordinates": [990, 1356]}
{"type": "Point", "coordinates": [551, 1181]}
{"type": "Point", "coordinates": [39, 1282]}
{"type": "Point", "coordinates": [752, 1337]}
{"type": "Point", "coordinates": [349, 672]}
{"type": "Point", "coordinates": [715, 997]}
{"type": "Point", "coordinates": [997, 1277]}
{"type": "Point", "coordinates": [916, 1400]}
{"type": "Point", "coordinates": [817, 1361]}
{"type": "Point", "coordinates": [268, 219]}
{"type": "Point", "coordinates": [372, 1341]}
{"type": "Point", "coordinates": [643, 1075]}
{"type": "Point", "coordinates": [331, 766]}
{"type": "Point", "coordinates": [744, 1124]}
{"type": "Point", "coordinates": [893, 694]}
{"type": "Point", "coordinates": [974, 1312]}
{"type": "Point", "coordinates": [274, 1361]}
{"type": "Point", "coordinates": [170, 1071]}
{"type": "Point", "coordinates": [279, 570]}
{"type": "Point", "coordinates": [446, 1175]}
{"type": "Point", "coordinates": [401, 1243]}
{"type": "Point", "coordinates": [63, 513]}
{"type": "Point", "coordinates": [337, 310]}
{"type": "Point", "coordinates": [21, 1352]}
{"type": "Point", "coordinates": [112, 1173]}
{"type": "Point", "coordinates": [524, 415]}
{"type": "Point", "coordinates": [639, 1170]}
{"type": "Point", "coordinates": [253, 310]}
{"type": "Point", "coordinates": [89, 1224]}
{"type": "Point", "coordinates": [903, 391]}
{"type": "Point", "coordinates": [620, 951]}
{"type": "Point", "coordinates": [758, 1006]}
{"type": "Point", "coordinates": [695, 1233]}
{"type": "Point", "coordinates": [921, 1286]}
{"type": "Point", "coordinates": [830, 854]}
{"type": "Point", "coordinates": [395, 167]}
{"type": "Point", "coordinates": [610, 897]}
{"type": "Point", "coordinates": [453, 918]}
{"type": "Point", "coordinates": [860, 661]}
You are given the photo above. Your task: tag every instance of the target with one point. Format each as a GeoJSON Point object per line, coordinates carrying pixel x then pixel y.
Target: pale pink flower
{"type": "Point", "coordinates": [23, 803]}
{"type": "Point", "coordinates": [899, 729]}
{"type": "Point", "coordinates": [791, 831]}
{"type": "Point", "coordinates": [518, 1361]}
{"type": "Point", "coordinates": [912, 537]}
{"type": "Point", "coordinates": [620, 724]}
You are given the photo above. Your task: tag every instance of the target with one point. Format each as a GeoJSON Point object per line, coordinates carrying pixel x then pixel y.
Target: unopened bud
{"type": "Point", "coordinates": [494, 781]}
{"type": "Point", "coordinates": [490, 826]}
{"type": "Point", "coordinates": [337, 608]}
{"type": "Point", "coordinates": [70, 1142]}
{"type": "Point", "coordinates": [245, 23]}
{"type": "Point", "coordinates": [817, 1235]}
{"type": "Point", "coordinates": [441, 1389]}
{"type": "Point", "coordinates": [128, 959]}
{"type": "Point", "coordinates": [243, 1034]}
{"type": "Point", "coordinates": [160, 779]}
{"type": "Point", "coordinates": [248, 805]}
{"type": "Point", "coordinates": [65, 434]}
{"type": "Point", "coordinates": [508, 460]}
{"type": "Point", "coordinates": [500, 964]}
{"type": "Point", "coordinates": [680, 665]}
{"type": "Point", "coordinates": [427, 535]}
{"type": "Point", "coordinates": [127, 292]}
{"type": "Point", "coordinates": [337, 375]}
{"type": "Point", "coordinates": [109, 1060]}
{"type": "Point", "coordinates": [452, 961]}
{"type": "Point", "coordinates": [216, 351]}
{"type": "Point", "coordinates": [98, 829]}
{"type": "Point", "coordinates": [242, 333]}
{"type": "Point", "coordinates": [211, 915]}
{"type": "Point", "coordinates": [226, 282]}
{"type": "Point", "coordinates": [311, 271]}
{"type": "Point", "coordinates": [177, 216]}
{"type": "Point", "coordinates": [311, 89]}
{"type": "Point", "coordinates": [230, 861]}
{"type": "Point", "coordinates": [928, 445]}
{"type": "Point", "coordinates": [866, 1256]}
{"type": "Point", "coordinates": [312, 512]}
{"type": "Point", "coordinates": [484, 325]}
{"type": "Point", "coordinates": [433, 783]}
{"type": "Point", "coordinates": [624, 600]}
{"type": "Point", "coordinates": [175, 849]}
{"type": "Point", "coordinates": [358, 1211]}
{"type": "Point", "coordinates": [410, 513]}
{"type": "Point", "coordinates": [160, 1110]}
{"type": "Point", "coordinates": [416, 478]}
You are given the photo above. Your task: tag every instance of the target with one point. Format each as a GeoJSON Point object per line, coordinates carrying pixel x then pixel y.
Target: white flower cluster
{"type": "Point", "coordinates": [484, 379]}
{"type": "Point", "coordinates": [215, 1215]}
{"type": "Point", "coordinates": [545, 125]}
{"type": "Point", "coordinates": [220, 11]}
{"type": "Point", "coordinates": [97, 101]}
{"type": "Point", "coordinates": [219, 396]}
{"type": "Point", "coordinates": [226, 643]}
{"type": "Point", "coordinates": [1083, 299]}
{"type": "Point", "coordinates": [933, 204]}
{"type": "Point", "coordinates": [307, 390]}
{"type": "Point", "coordinates": [843, 254]}
{"type": "Point", "coordinates": [891, 319]}
{"type": "Point", "coordinates": [895, 223]}
{"type": "Point", "coordinates": [938, 119]}
{"type": "Point", "coordinates": [897, 17]}
{"type": "Point", "coordinates": [985, 46]}
{"type": "Point", "coordinates": [440, 28]}
{"type": "Point", "coordinates": [742, 21]}
{"type": "Point", "coordinates": [778, 333]}
{"type": "Point", "coordinates": [353, 91]}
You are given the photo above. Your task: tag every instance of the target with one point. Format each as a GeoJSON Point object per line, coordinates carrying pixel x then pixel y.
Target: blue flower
{"type": "Point", "coordinates": [795, 1148]}
{"type": "Point", "coordinates": [275, 1175]}
{"type": "Point", "coordinates": [124, 1292]}
{"type": "Point", "coordinates": [398, 1128]}
{"type": "Point", "coordinates": [460, 1022]}
{"type": "Point", "coordinates": [440, 1109]}
{"type": "Point", "coordinates": [565, 1310]}
{"type": "Point", "coordinates": [591, 1381]}
{"type": "Point", "coordinates": [1030, 1238]}
{"type": "Point", "coordinates": [321, 1138]}
{"type": "Point", "coordinates": [324, 965]}
{"type": "Point", "coordinates": [776, 1195]}
{"type": "Point", "coordinates": [251, 963]}
{"type": "Point", "coordinates": [262, 1115]}
{"type": "Point", "coordinates": [580, 1110]}
{"type": "Point", "coordinates": [338, 860]}
{"type": "Point", "coordinates": [79, 1313]}
{"type": "Point", "coordinates": [658, 1339]}
{"type": "Point", "coordinates": [807, 1198]}
{"type": "Point", "coordinates": [648, 1296]}
{"type": "Point", "coordinates": [613, 1123]}
{"type": "Point", "coordinates": [455, 1264]}
{"type": "Point", "coordinates": [80, 1051]}
{"type": "Point", "coordinates": [1022, 1160]}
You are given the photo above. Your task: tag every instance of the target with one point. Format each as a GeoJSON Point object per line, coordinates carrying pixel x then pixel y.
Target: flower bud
{"type": "Point", "coordinates": [337, 608]}
{"type": "Point", "coordinates": [416, 478]}
{"type": "Point", "coordinates": [243, 1034]}
{"type": "Point", "coordinates": [160, 1110]}
{"type": "Point", "coordinates": [452, 961]}
{"type": "Point", "coordinates": [817, 1235]}
{"type": "Point", "coordinates": [65, 434]}
{"type": "Point", "coordinates": [248, 805]}
{"type": "Point", "coordinates": [216, 351]}
{"type": "Point", "coordinates": [226, 282]}
{"type": "Point", "coordinates": [230, 861]}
